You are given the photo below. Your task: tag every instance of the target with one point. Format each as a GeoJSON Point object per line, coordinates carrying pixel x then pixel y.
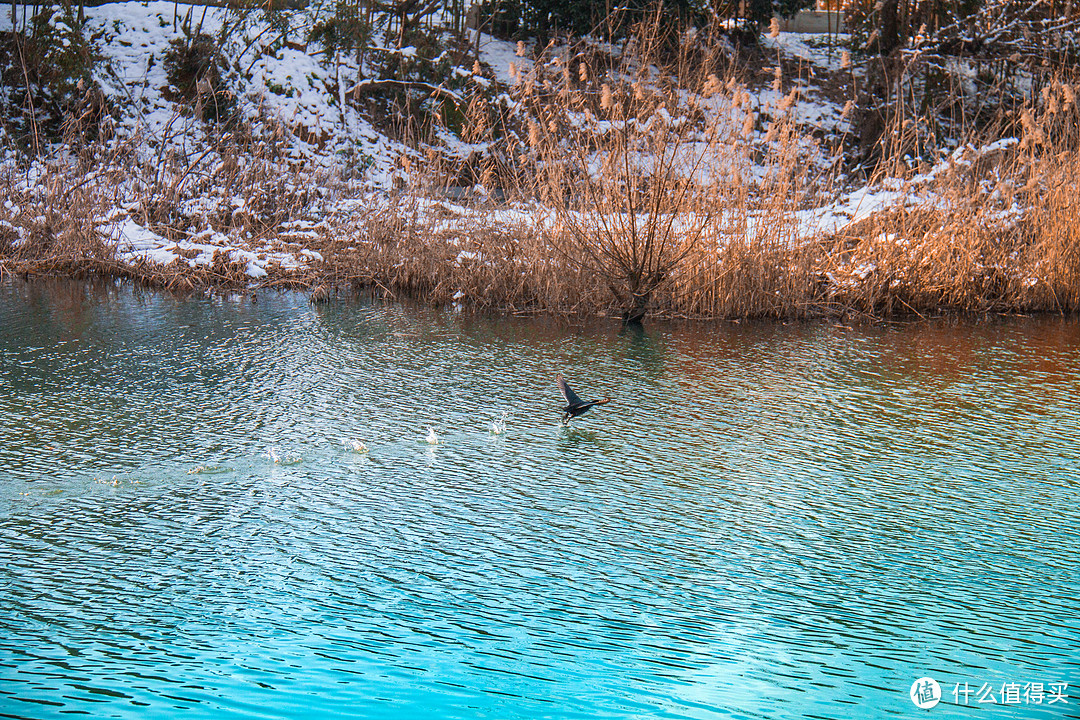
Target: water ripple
{"type": "Point", "coordinates": [767, 521]}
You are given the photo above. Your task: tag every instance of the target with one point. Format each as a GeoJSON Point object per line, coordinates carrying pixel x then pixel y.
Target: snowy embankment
{"type": "Point", "coordinates": [348, 171]}
{"type": "Point", "coordinates": [135, 244]}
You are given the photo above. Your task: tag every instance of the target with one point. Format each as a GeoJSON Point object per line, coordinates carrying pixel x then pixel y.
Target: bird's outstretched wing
{"type": "Point", "coordinates": [571, 398]}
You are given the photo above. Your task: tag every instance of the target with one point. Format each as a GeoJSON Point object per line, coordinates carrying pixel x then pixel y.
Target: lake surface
{"type": "Point", "coordinates": [768, 520]}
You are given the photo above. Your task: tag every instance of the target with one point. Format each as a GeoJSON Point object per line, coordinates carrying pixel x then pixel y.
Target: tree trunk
{"type": "Point", "coordinates": [888, 28]}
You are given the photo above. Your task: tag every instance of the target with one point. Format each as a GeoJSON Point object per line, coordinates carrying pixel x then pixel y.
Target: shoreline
{"type": "Point", "coordinates": [580, 178]}
{"type": "Point", "coordinates": [187, 283]}
{"type": "Point", "coordinates": [871, 253]}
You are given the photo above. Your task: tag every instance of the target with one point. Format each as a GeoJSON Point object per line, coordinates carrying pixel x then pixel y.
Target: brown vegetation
{"type": "Point", "coordinates": [638, 185]}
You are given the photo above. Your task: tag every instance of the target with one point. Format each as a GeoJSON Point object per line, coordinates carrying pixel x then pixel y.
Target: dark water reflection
{"type": "Point", "coordinates": [767, 521]}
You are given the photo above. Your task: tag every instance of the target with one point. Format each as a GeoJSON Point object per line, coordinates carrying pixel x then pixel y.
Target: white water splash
{"type": "Point", "coordinates": [432, 436]}
{"type": "Point", "coordinates": [209, 470]}
{"type": "Point", "coordinates": [355, 445]}
{"type": "Point", "coordinates": [498, 427]}
{"type": "Point", "coordinates": [280, 458]}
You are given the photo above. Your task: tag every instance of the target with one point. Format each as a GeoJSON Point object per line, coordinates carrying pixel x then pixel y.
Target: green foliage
{"type": "Point", "coordinates": [196, 69]}
{"type": "Point", "coordinates": [759, 12]}
{"type": "Point", "coordinates": [453, 118]}
{"type": "Point", "coordinates": [353, 160]}
{"type": "Point", "coordinates": [345, 30]}
{"type": "Point", "coordinates": [504, 18]}
{"type": "Point", "coordinates": [789, 8]}
{"type": "Point", "coordinates": [278, 89]}
{"type": "Point", "coordinates": [47, 82]}
{"type": "Point", "coordinates": [517, 19]}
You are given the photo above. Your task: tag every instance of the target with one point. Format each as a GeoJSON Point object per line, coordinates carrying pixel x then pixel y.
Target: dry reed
{"type": "Point", "coordinates": [57, 208]}
{"type": "Point", "coordinates": [654, 191]}
{"type": "Point", "coordinates": [652, 182]}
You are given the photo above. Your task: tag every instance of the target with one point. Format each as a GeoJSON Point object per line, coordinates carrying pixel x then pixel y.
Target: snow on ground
{"type": "Point", "coordinates": [273, 79]}
{"type": "Point", "coordinates": [303, 88]}
{"type": "Point", "coordinates": [135, 244]}
{"type": "Point", "coordinates": [849, 209]}
{"type": "Point", "coordinates": [818, 49]}
{"type": "Point", "coordinates": [498, 54]}
{"type": "Point", "coordinates": [134, 43]}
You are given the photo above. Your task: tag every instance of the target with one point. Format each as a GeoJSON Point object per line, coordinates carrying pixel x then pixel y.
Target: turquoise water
{"type": "Point", "coordinates": [767, 521]}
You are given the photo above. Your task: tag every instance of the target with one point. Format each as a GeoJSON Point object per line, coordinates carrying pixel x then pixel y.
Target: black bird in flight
{"type": "Point", "coordinates": [574, 405]}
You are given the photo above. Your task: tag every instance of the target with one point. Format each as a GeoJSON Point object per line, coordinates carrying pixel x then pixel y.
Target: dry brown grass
{"type": "Point", "coordinates": [639, 173]}
{"type": "Point", "coordinates": [235, 183]}
{"type": "Point", "coordinates": [642, 184]}
{"type": "Point", "coordinates": [414, 247]}
{"type": "Point", "coordinates": [49, 223]}
{"type": "Point", "coordinates": [646, 203]}
{"type": "Point", "coordinates": [992, 232]}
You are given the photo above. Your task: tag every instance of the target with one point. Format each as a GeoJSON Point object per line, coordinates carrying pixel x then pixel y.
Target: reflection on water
{"type": "Point", "coordinates": [767, 520]}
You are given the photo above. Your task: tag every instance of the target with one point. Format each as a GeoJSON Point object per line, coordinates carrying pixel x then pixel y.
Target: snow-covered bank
{"type": "Point", "coordinates": [723, 195]}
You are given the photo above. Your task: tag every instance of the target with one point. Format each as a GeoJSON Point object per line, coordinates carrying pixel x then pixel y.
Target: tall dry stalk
{"type": "Point", "coordinates": [648, 167]}
{"type": "Point", "coordinates": [991, 228]}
